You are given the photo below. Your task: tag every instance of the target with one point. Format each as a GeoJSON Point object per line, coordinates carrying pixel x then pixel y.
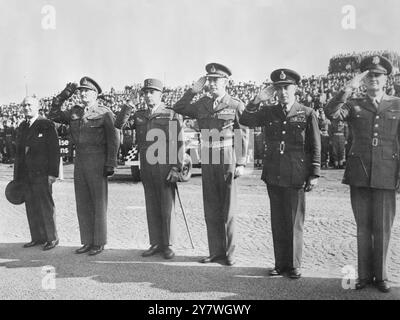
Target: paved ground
{"type": "Point", "coordinates": [121, 273]}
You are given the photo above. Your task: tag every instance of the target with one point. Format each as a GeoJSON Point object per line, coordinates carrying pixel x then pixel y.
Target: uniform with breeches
{"type": "Point", "coordinates": [224, 146]}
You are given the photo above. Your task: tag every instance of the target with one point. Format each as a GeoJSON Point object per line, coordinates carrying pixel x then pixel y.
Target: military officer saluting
{"type": "Point", "coordinates": [223, 157]}
{"type": "Point", "coordinates": [291, 164]}
{"type": "Point", "coordinates": [97, 141]}
{"type": "Point", "coordinates": [372, 168]}
{"type": "Point", "coordinates": [159, 170]}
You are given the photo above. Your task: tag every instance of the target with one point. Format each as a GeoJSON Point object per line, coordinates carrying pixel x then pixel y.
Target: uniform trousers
{"type": "Point", "coordinates": [91, 193]}
{"type": "Point", "coordinates": [374, 211]}
{"type": "Point", "coordinates": [219, 198]}
{"type": "Point", "coordinates": [160, 203]}
{"type": "Point", "coordinates": [287, 221]}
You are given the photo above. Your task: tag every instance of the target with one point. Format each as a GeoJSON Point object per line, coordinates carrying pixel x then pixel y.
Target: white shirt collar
{"type": "Point", "coordinates": [32, 120]}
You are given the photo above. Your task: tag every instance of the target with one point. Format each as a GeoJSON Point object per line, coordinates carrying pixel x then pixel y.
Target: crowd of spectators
{"type": "Point", "coordinates": [313, 91]}
{"type": "Point", "coordinates": [350, 61]}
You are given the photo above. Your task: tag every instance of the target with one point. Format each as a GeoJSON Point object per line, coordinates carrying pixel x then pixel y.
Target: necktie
{"type": "Point", "coordinates": [284, 110]}
{"type": "Point", "coordinates": [216, 103]}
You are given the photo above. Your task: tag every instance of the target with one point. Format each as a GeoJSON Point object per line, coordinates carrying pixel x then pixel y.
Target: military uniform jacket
{"type": "Point", "coordinates": [293, 143]}
{"type": "Point", "coordinates": [91, 132]}
{"type": "Point", "coordinates": [162, 122]}
{"type": "Point", "coordinates": [373, 159]}
{"type": "Point", "coordinates": [37, 151]}
{"type": "Point", "coordinates": [224, 118]}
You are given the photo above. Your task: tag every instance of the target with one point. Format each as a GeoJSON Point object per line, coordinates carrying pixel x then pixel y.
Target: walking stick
{"type": "Point", "coordinates": [184, 215]}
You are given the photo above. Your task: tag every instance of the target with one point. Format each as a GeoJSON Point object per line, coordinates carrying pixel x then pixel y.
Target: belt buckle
{"type": "Point", "coordinates": [374, 142]}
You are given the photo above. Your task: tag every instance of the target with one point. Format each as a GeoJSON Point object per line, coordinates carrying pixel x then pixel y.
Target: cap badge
{"type": "Point", "coordinates": [376, 60]}
{"type": "Point", "coordinates": [282, 76]}
{"type": "Point", "coordinates": [212, 69]}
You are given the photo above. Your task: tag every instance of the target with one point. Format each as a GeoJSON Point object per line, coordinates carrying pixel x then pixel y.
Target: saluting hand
{"type": "Point", "coordinates": [134, 100]}
{"type": "Point", "coordinates": [355, 83]}
{"type": "Point", "coordinates": [199, 85]}
{"type": "Point", "coordinates": [266, 93]}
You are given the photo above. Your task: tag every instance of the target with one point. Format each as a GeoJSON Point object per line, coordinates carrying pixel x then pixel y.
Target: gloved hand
{"type": "Point", "coordinates": [239, 170]}
{"type": "Point", "coordinates": [68, 91]}
{"type": "Point", "coordinates": [108, 171]}
{"type": "Point", "coordinates": [311, 183]}
{"type": "Point", "coordinates": [199, 85]}
{"type": "Point", "coordinates": [173, 175]}
{"type": "Point", "coordinates": [51, 179]}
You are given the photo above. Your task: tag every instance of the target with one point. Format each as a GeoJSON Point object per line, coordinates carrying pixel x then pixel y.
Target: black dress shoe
{"type": "Point", "coordinates": [83, 249]}
{"type": "Point", "coordinates": [294, 273]}
{"type": "Point", "coordinates": [362, 283]}
{"type": "Point", "coordinates": [155, 248]}
{"type": "Point", "coordinates": [33, 243]}
{"type": "Point", "coordinates": [95, 250]}
{"type": "Point", "coordinates": [168, 253]}
{"type": "Point", "coordinates": [382, 286]}
{"type": "Point", "coordinates": [212, 258]}
{"type": "Point", "coordinates": [275, 272]}
{"type": "Point", "coordinates": [50, 245]}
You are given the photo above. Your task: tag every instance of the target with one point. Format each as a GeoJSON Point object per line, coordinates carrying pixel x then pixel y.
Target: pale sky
{"type": "Point", "coordinates": [121, 42]}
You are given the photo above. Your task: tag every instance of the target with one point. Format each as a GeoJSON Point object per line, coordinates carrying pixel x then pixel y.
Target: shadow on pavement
{"type": "Point", "coordinates": [183, 274]}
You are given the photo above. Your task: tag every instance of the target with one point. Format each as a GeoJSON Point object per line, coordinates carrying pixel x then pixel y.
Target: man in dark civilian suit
{"type": "Point", "coordinates": [37, 164]}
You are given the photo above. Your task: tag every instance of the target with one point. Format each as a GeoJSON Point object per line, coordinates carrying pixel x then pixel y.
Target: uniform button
{"type": "Point", "coordinates": [377, 117]}
{"type": "Point", "coordinates": [377, 125]}
{"type": "Point", "coordinates": [281, 152]}
{"type": "Point", "coordinates": [283, 132]}
{"type": "Point", "coordinates": [376, 134]}
{"type": "Point", "coordinates": [284, 122]}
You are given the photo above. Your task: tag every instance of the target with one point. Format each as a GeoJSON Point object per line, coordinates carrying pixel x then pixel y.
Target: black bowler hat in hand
{"type": "Point", "coordinates": [16, 191]}
{"type": "Point", "coordinates": [285, 77]}
{"type": "Point", "coordinates": [89, 83]}
{"type": "Point", "coordinates": [217, 70]}
{"type": "Point", "coordinates": [377, 64]}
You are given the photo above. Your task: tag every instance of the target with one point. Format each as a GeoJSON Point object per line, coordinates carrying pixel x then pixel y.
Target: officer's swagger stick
{"type": "Point", "coordinates": [184, 215]}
